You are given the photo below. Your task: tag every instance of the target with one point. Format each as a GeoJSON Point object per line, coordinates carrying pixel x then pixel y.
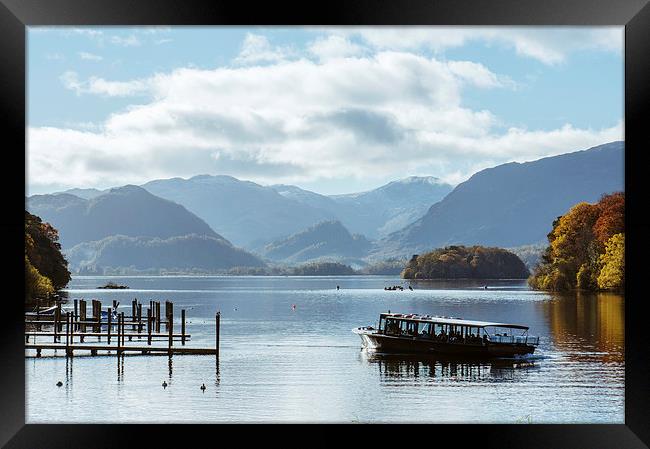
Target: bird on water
{"type": "Point", "coordinates": [203, 388]}
{"type": "Point", "coordinates": [59, 383]}
{"type": "Point", "coordinates": [164, 384]}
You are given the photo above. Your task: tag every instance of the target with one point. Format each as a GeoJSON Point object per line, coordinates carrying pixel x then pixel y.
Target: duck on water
{"type": "Point", "coordinates": [411, 333]}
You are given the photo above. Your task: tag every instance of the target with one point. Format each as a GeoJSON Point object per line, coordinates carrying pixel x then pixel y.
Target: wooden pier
{"type": "Point", "coordinates": [59, 331]}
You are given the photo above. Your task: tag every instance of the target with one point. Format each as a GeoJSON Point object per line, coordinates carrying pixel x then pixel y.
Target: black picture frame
{"type": "Point", "coordinates": [15, 15]}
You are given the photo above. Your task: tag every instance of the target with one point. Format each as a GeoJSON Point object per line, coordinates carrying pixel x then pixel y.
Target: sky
{"type": "Point", "coordinates": [332, 110]}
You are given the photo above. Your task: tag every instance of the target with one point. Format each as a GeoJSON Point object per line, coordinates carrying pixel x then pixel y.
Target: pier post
{"type": "Point", "coordinates": [123, 330]}
{"type": "Point", "coordinates": [134, 305]}
{"type": "Point", "coordinates": [217, 326]}
{"type": "Point", "coordinates": [67, 333]}
{"type": "Point", "coordinates": [110, 324]}
{"type": "Point", "coordinates": [82, 316]}
{"type": "Point", "coordinates": [56, 323]}
{"type": "Point", "coordinates": [76, 315]}
{"type": "Point", "coordinates": [170, 320]}
{"type": "Point", "coordinates": [157, 317]}
{"type": "Point", "coordinates": [58, 308]}
{"type": "Point", "coordinates": [149, 326]}
{"type": "Point", "coordinates": [71, 328]}
{"type": "Point", "coordinates": [119, 331]}
{"type": "Point", "coordinates": [139, 319]}
{"type": "Point", "coordinates": [170, 329]}
{"type": "Point", "coordinates": [183, 327]}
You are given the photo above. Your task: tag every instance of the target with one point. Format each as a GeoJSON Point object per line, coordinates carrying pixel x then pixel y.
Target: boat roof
{"type": "Point", "coordinates": [450, 320]}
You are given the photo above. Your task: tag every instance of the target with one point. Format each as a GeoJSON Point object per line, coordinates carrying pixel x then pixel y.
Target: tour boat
{"type": "Point", "coordinates": [411, 333]}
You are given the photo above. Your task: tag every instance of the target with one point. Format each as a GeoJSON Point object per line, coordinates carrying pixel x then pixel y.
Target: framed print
{"type": "Point", "coordinates": [352, 213]}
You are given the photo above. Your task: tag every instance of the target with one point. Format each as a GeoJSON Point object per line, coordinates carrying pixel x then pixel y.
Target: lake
{"type": "Point", "coordinates": [278, 364]}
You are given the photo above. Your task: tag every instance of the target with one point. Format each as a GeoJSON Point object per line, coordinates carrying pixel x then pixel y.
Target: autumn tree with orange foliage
{"type": "Point", "coordinates": [577, 243]}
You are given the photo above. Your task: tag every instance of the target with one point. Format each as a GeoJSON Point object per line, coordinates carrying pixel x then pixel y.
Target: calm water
{"type": "Point", "coordinates": [305, 365]}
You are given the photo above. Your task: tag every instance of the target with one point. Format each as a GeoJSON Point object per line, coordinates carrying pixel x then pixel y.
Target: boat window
{"type": "Point", "coordinates": [392, 326]}
{"type": "Point", "coordinates": [425, 330]}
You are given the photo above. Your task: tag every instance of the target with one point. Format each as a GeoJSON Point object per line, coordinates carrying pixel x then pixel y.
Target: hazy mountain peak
{"type": "Point", "coordinates": [513, 204]}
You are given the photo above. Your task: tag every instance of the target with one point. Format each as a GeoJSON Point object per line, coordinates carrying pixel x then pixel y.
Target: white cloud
{"type": "Point", "coordinates": [295, 121]}
{"type": "Point", "coordinates": [334, 46]}
{"type": "Point", "coordinates": [534, 42]}
{"type": "Point", "coordinates": [100, 86]}
{"type": "Point", "coordinates": [128, 41]}
{"type": "Point", "coordinates": [89, 56]}
{"type": "Point", "coordinates": [257, 49]}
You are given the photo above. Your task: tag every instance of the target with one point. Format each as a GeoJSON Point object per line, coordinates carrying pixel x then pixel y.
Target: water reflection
{"type": "Point", "coordinates": [588, 325]}
{"type": "Point", "coordinates": [120, 367]}
{"type": "Point", "coordinates": [422, 367]}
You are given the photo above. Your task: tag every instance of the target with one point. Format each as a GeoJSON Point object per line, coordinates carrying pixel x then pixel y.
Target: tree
{"type": "Point", "coordinates": [46, 270]}
{"type": "Point", "coordinates": [611, 219]}
{"type": "Point", "coordinates": [477, 262]}
{"type": "Point", "coordinates": [612, 275]}
{"type": "Point", "coordinates": [577, 243]}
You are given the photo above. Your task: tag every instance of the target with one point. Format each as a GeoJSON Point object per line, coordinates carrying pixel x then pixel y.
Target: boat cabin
{"type": "Point", "coordinates": [453, 330]}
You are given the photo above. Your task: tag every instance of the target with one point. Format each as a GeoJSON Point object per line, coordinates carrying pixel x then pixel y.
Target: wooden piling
{"type": "Point", "coordinates": [76, 314]}
{"type": "Point", "coordinates": [123, 330]}
{"type": "Point", "coordinates": [217, 326]}
{"type": "Point", "coordinates": [139, 319]}
{"type": "Point", "coordinates": [170, 329]}
{"type": "Point", "coordinates": [157, 316]}
{"type": "Point", "coordinates": [134, 305]}
{"type": "Point", "coordinates": [56, 323]}
{"type": "Point", "coordinates": [82, 315]}
{"type": "Point", "coordinates": [58, 308]}
{"type": "Point", "coordinates": [67, 333]}
{"type": "Point", "coordinates": [183, 327]}
{"type": "Point", "coordinates": [110, 319]}
{"type": "Point", "coordinates": [119, 332]}
{"type": "Point", "coordinates": [149, 318]}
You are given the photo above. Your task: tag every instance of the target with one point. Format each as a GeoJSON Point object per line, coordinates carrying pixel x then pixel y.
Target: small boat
{"type": "Point", "coordinates": [112, 285]}
{"type": "Point", "coordinates": [411, 333]}
{"type": "Point", "coordinates": [45, 311]}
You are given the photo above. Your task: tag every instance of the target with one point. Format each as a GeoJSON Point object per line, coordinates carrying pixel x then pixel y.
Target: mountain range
{"type": "Point", "coordinates": [325, 240]}
{"type": "Point", "coordinates": [510, 205]}
{"type": "Point", "coordinates": [128, 210]}
{"type": "Point", "coordinates": [252, 215]}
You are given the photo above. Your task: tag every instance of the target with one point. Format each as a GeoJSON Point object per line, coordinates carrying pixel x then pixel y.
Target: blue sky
{"type": "Point", "coordinates": [334, 110]}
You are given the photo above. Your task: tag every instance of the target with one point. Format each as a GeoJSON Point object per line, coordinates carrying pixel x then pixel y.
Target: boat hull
{"type": "Point", "coordinates": [407, 345]}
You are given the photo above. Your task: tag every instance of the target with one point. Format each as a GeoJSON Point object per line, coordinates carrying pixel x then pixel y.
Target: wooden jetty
{"type": "Point", "coordinates": [60, 332]}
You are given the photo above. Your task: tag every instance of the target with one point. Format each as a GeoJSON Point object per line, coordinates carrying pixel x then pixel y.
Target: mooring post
{"type": "Point", "coordinates": [149, 326]}
{"type": "Point", "coordinates": [139, 319]}
{"type": "Point", "coordinates": [76, 315]}
{"type": "Point", "coordinates": [56, 323]}
{"type": "Point", "coordinates": [67, 333]}
{"type": "Point", "coordinates": [71, 328]}
{"type": "Point", "coordinates": [167, 314]}
{"type": "Point", "coordinates": [99, 320]}
{"type": "Point", "coordinates": [217, 325]}
{"type": "Point", "coordinates": [183, 327]}
{"type": "Point", "coordinates": [93, 314]}
{"type": "Point", "coordinates": [82, 316]}
{"type": "Point", "coordinates": [119, 332]}
{"type": "Point", "coordinates": [157, 317]}
{"type": "Point", "coordinates": [134, 305]}
{"type": "Point", "coordinates": [58, 308]}
{"type": "Point", "coordinates": [123, 330]}
{"type": "Point", "coordinates": [110, 324]}
{"type": "Point", "coordinates": [170, 319]}
{"type": "Point", "coordinates": [170, 329]}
